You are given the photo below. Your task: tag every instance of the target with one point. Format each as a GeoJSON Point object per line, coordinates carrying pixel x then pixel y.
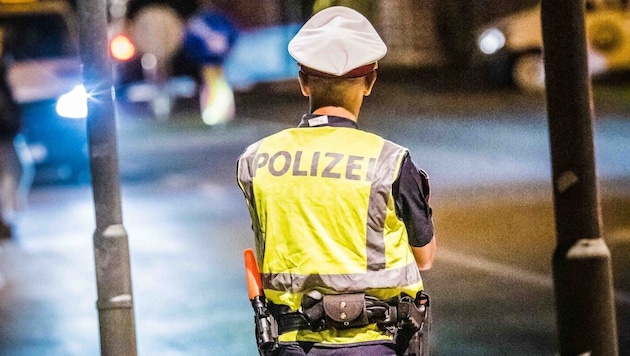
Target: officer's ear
{"type": "Point", "coordinates": [370, 79]}
{"type": "Point", "coordinates": [303, 79]}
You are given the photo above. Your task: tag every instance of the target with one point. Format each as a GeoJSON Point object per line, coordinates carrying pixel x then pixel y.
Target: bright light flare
{"type": "Point", "coordinates": [73, 104]}
{"type": "Point", "coordinates": [122, 48]}
{"type": "Point", "coordinates": [491, 40]}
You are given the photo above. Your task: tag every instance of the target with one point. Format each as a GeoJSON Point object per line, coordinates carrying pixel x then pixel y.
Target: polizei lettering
{"type": "Point", "coordinates": [315, 164]}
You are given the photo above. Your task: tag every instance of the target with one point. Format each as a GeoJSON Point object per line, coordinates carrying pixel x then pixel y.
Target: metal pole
{"type": "Point", "coordinates": [111, 251]}
{"type": "Point", "coordinates": [581, 262]}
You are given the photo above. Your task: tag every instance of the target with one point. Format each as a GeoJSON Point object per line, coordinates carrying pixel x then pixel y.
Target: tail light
{"type": "Point", "coordinates": [122, 48]}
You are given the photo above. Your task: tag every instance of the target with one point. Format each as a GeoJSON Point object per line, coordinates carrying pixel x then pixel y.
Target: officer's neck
{"type": "Point", "coordinates": [336, 111]}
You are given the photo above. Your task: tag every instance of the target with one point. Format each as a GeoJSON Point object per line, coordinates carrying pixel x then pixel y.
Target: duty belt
{"type": "Point", "coordinates": [344, 311]}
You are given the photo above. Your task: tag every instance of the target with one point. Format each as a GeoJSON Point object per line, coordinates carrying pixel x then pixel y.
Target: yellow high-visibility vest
{"type": "Point", "coordinates": [321, 203]}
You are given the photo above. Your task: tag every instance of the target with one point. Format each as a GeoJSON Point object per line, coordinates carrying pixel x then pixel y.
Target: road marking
{"type": "Point", "coordinates": [509, 272]}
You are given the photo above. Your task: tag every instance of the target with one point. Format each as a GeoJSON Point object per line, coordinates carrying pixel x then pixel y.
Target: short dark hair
{"type": "Point", "coordinates": [333, 91]}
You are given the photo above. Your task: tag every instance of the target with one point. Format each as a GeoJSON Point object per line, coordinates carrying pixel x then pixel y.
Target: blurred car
{"type": "Point", "coordinates": [511, 47]}
{"type": "Point", "coordinates": [40, 47]}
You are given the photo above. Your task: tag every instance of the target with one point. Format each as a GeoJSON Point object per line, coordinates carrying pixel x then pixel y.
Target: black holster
{"type": "Point", "coordinates": [265, 327]}
{"type": "Point", "coordinates": [412, 336]}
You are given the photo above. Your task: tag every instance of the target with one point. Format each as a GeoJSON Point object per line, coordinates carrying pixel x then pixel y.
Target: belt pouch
{"type": "Point", "coordinates": [345, 311]}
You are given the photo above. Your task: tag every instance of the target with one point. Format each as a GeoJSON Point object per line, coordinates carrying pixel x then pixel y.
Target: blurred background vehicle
{"type": "Point", "coordinates": [511, 46]}
{"type": "Point", "coordinates": [44, 72]}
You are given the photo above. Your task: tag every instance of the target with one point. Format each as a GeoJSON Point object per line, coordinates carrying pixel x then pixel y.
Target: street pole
{"type": "Point", "coordinates": [581, 262]}
{"type": "Point", "coordinates": [111, 251]}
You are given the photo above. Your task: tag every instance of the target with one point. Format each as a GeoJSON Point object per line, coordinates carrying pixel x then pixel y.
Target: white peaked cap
{"type": "Point", "coordinates": [337, 40]}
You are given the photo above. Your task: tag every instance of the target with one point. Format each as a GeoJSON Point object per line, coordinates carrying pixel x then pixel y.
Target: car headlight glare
{"type": "Point", "coordinates": [73, 105]}
{"type": "Point", "coordinates": [491, 40]}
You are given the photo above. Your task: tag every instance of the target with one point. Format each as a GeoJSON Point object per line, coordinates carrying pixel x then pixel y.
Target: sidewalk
{"type": "Point", "coordinates": [185, 283]}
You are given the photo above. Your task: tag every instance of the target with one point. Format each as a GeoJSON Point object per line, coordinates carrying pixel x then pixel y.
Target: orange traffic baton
{"type": "Point", "coordinates": [265, 340]}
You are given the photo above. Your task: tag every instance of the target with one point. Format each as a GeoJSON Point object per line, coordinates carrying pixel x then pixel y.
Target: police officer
{"type": "Point", "coordinates": [341, 216]}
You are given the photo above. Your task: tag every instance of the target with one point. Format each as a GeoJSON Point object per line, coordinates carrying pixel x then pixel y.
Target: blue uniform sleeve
{"type": "Point", "coordinates": [209, 37]}
{"type": "Point", "coordinates": [411, 198]}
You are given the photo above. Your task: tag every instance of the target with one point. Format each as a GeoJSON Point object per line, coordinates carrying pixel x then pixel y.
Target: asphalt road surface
{"type": "Point", "coordinates": [487, 153]}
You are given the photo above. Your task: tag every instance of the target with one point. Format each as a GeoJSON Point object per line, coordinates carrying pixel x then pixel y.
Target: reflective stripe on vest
{"type": "Point", "coordinates": [323, 214]}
